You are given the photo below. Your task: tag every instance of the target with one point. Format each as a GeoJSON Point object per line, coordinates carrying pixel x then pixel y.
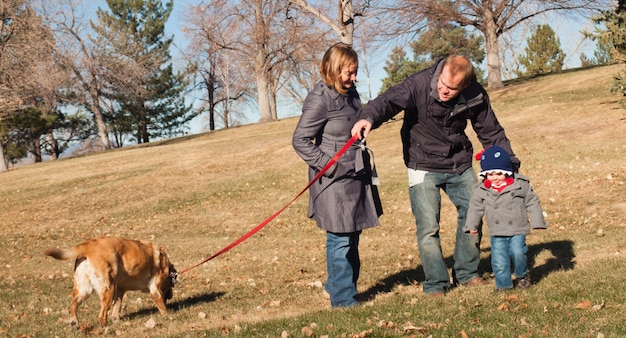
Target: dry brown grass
{"type": "Point", "coordinates": [196, 195]}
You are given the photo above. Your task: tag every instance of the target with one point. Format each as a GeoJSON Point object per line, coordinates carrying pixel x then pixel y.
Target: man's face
{"type": "Point", "coordinates": [449, 85]}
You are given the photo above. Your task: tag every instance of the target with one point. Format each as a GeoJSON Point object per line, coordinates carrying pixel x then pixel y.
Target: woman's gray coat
{"type": "Point", "coordinates": [343, 200]}
{"type": "Point", "coordinates": [507, 213]}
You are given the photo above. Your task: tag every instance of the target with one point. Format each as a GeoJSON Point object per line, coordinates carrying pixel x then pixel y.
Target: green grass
{"type": "Point", "coordinates": [197, 194]}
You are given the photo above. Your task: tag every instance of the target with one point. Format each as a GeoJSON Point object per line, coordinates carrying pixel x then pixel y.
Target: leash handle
{"type": "Point", "coordinates": [330, 163]}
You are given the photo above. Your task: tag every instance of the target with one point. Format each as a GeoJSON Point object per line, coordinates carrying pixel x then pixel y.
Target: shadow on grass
{"type": "Point", "coordinates": [563, 259]}
{"type": "Point", "coordinates": [178, 305]}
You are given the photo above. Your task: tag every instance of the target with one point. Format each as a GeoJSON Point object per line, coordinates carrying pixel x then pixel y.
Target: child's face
{"type": "Point", "coordinates": [496, 177]}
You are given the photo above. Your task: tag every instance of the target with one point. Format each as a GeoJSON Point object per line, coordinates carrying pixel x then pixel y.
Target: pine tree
{"type": "Point", "coordinates": [398, 68]}
{"type": "Point", "coordinates": [616, 24]}
{"type": "Point", "coordinates": [543, 53]}
{"type": "Point", "coordinates": [613, 34]}
{"type": "Point", "coordinates": [146, 95]}
{"type": "Point", "coordinates": [440, 40]}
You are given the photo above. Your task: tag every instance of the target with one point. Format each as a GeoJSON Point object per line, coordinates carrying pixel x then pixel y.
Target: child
{"type": "Point", "coordinates": [508, 202]}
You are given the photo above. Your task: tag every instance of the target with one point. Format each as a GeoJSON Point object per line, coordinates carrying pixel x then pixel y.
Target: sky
{"type": "Point", "coordinates": [567, 30]}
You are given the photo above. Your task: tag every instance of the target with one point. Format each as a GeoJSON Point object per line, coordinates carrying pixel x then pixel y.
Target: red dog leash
{"type": "Point", "coordinates": [264, 223]}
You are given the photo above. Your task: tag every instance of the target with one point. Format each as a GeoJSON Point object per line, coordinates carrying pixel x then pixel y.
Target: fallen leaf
{"type": "Point", "coordinates": [464, 334]}
{"type": "Point", "coordinates": [410, 328]}
{"type": "Point", "coordinates": [362, 334]}
{"type": "Point", "coordinates": [151, 323]}
{"type": "Point", "coordinates": [598, 306]}
{"type": "Point", "coordinates": [585, 304]}
{"type": "Point", "coordinates": [503, 307]}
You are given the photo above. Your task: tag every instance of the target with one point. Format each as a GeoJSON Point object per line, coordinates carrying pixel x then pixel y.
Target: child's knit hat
{"type": "Point", "coordinates": [494, 159]}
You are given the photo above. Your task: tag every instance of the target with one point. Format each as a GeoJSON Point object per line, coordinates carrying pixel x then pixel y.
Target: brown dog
{"type": "Point", "coordinates": [112, 266]}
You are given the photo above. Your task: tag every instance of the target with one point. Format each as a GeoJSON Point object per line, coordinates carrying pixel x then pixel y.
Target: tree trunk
{"type": "Point", "coordinates": [262, 90]}
{"type": "Point", "coordinates": [260, 68]}
{"type": "Point", "coordinates": [102, 128]}
{"type": "Point", "coordinates": [95, 109]}
{"type": "Point", "coordinates": [3, 161]}
{"type": "Point", "coordinates": [346, 19]}
{"type": "Point", "coordinates": [37, 150]}
{"type": "Point", "coordinates": [55, 152]}
{"type": "Point", "coordinates": [494, 72]}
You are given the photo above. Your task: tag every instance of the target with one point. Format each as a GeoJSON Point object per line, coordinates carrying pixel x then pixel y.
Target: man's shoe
{"type": "Point", "coordinates": [478, 281]}
{"type": "Point", "coordinates": [524, 283]}
{"type": "Point", "coordinates": [438, 294]}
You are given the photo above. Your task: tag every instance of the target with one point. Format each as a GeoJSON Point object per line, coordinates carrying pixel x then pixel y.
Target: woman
{"type": "Point", "coordinates": [343, 201]}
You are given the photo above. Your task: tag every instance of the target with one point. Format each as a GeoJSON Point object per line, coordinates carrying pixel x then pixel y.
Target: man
{"type": "Point", "coordinates": [437, 103]}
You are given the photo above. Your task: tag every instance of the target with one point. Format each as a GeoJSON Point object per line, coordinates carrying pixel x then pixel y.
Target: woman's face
{"type": "Point", "coordinates": [348, 75]}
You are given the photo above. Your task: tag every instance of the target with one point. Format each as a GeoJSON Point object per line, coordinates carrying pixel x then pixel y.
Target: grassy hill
{"type": "Point", "coordinates": [196, 195]}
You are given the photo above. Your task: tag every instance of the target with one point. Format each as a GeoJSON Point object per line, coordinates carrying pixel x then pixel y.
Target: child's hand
{"type": "Point", "coordinates": [473, 232]}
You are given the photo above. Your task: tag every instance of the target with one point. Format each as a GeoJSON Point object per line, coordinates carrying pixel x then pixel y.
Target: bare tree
{"type": "Point", "coordinates": [263, 39]}
{"type": "Point", "coordinates": [78, 55]}
{"type": "Point", "coordinates": [12, 25]}
{"type": "Point", "coordinates": [31, 77]}
{"type": "Point", "coordinates": [218, 75]}
{"type": "Point", "coordinates": [491, 18]}
{"type": "Point", "coordinates": [246, 36]}
{"type": "Point", "coordinates": [343, 26]}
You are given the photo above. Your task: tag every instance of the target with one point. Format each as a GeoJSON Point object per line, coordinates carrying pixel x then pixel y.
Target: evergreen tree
{"type": "Point", "coordinates": [398, 68]}
{"type": "Point", "coordinates": [614, 34]}
{"type": "Point", "coordinates": [440, 40]}
{"type": "Point", "coordinates": [616, 24]}
{"type": "Point", "coordinates": [601, 55]}
{"type": "Point", "coordinates": [146, 96]}
{"type": "Point", "coordinates": [543, 53]}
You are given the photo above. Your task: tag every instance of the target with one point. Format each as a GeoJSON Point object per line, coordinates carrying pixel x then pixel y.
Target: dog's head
{"type": "Point", "coordinates": [168, 277]}
{"type": "Point", "coordinates": [171, 281]}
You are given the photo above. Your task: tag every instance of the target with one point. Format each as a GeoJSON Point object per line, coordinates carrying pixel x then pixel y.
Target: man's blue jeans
{"type": "Point", "coordinates": [343, 266]}
{"type": "Point", "coordinates": [503, 250]}
{"type": "Point", "coordinates": [426, 205]}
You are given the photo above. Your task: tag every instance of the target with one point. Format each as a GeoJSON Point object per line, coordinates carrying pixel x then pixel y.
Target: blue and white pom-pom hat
{"type": "Point", "coordinates": [495, 159]}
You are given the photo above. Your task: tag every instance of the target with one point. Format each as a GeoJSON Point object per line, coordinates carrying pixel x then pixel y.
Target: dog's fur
{"type": "Point", "coordinates": [112, 266]}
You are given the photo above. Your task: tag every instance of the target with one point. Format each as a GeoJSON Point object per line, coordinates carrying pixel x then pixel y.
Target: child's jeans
{"type": "Point", "coordinates": [505, 249]}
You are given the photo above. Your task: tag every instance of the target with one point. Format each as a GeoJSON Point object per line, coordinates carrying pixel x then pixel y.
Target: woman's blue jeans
{"type": "Point", "coordinates": [426, 205]}
{"type": "Point", "coordinates": [505, 249]}
{"type": "Point", "coordinates": [343, 266]}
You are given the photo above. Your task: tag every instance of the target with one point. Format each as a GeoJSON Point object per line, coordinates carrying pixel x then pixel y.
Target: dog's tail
{"type": "Point", "coordinates": [61, 254]}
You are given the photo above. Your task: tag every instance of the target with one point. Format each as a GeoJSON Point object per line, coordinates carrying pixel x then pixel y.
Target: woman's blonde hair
{"type": "Point", "coordinates": [337, 57]}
